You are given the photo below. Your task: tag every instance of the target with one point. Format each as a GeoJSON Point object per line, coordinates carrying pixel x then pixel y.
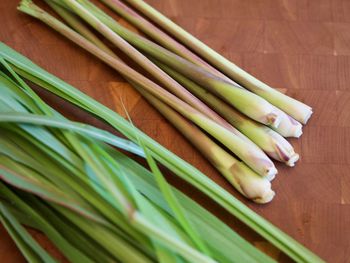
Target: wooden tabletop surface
{"type": "Point", "coordinates": [299, 46]}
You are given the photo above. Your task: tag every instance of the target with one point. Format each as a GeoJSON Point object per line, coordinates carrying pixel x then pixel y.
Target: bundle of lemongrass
{"type": "Point", "coordinates": [250, 119]}
{"type": "Point", "coordinates": [93, 202]}
{"type": "Point", "coordinates": [209, 101]}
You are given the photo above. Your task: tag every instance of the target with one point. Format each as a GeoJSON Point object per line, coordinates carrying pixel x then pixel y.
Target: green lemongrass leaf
{"type": "Point", "coordinates": [179, 214]}
{"type": "Point", "coordinates": [44, 108]}
{"type": "Point", "coordinates": [78, 186]}
{"type": "Point", "coordinates": [23, 219]}
{"type": "Point", "coordinates": [31, 184]}
{"type": "Point", "coordinates": [76, 127]}
{"type": "Point", "coordinates": [73, 238]}
{"type": "Point", "coordinates": [174, 203]}
{"type": "Point", "coordinates": [39, 102]}
{"type": "Point", "coordinates": [28, 214]}
{"type": "Point", "coordinates": [87, 195]}
{"type": "Point", "coordinates": [41, 134]}
{"type": "Point", "coordinates": [92, 158]}
{"type": "Point", "coordinates": [20, 150]}
{"type": "Point", "coordinates": [82, 188]}
{"type": "Point", "coordinates": [170, 197]}
{"type": "Point", "coordinates": [3, 106]}
{"type": "Point", "coordinates": [115, 245]}
{"type": "Point", "coordinates": [79, 239]}
{"type": "Point", "coordinates": [226, 245]}
{"type": "Point", "coordinates": [69, 204]}
{"type": "Point", "coordinates": [166, 225]}
{"type": "Point", "coordinates": [117, 175]}
{"type": "Point", "coordinates": [38, 133]}
{"type": "Point", "coordinates": [25, 242]}
{"type": "Point", "coordinates": [7, 84]}
{"type": "Point", "coordinates": [180, 247]}
{"type": "Point", "coordinates": [103, 176]}
{"type": "Point", "coordinates": [44, 152]}
{"type": "Point", "coordinates": [164, 255]}
{"type": "Point", "coordinates": [9, 103]}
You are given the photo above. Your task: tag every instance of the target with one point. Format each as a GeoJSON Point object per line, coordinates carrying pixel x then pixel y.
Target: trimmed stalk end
{"type": "Point", "coordinates": [307, 116]}
{"type": "Point", "coordinates": [259, 191]}
{"type": "Point", "coordinates": [298, 131]}
{"type": "Point", "coordinates": [249, 183]}
{"type": "Point", "coordinates": [289, 127]}
{"type": "Point", "coordinates": [292, 160]}
{"type": "Point", "coordinates": [271, 173]}
{"type": "Point", "coordinates": [26, 6]}
{"type": "Point", "coordinates": [266, 198]}
{"type": "Point", "coordinates": [29, 8]}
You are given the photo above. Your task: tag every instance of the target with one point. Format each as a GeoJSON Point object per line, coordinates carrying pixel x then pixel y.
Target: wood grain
{"type": "Point", "coordinates": [299, 46]}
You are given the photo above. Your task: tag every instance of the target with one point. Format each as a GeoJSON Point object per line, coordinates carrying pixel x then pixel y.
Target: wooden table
{"type": "Point", "coordinates": [299, 46]}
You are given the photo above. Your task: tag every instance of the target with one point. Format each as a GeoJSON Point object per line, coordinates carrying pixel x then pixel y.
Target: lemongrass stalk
{"type": "Point", "coordinates": [288, 126]}
{"type": "Point", "coordinates": [143, 61]}
{"type": "Point", "coordinates": [161, 76]}
{"type": "Point", "coordinates": [268, 140]}
{"type": "Point", "coordinates": [293, 107]}
{"type": "Point", "coordinates": [84, 31]}
{"type": "Point", "coordinates": [250, 104]}
{"type": "Point", "coordinates": [252, 156]}
{"type": "Point", "coordinates": [73, 21]}
{"type": "Point", "coordinates": [247, 182]}
{"type": "Point", "coordinates": [158, 35]}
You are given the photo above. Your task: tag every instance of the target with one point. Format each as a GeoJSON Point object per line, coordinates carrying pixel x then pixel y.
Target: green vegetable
{"type": "Point", "coordinates": [14, 62]}
{"type": "Point", "coordinates": [120, 210]}
{"type": "Point", "coordinates": [294, 108]}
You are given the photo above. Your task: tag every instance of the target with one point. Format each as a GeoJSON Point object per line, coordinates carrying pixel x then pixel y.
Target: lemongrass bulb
{"type": "Point", "coordinates": [245, 180]}
{"type": "Point", "coordinates": [288, 126]}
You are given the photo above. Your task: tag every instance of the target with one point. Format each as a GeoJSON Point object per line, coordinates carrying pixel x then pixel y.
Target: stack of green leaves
{"type": "Point", "coordinates": [92, 201]}
{"type": "Point", "coordinates": [95, 203]}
